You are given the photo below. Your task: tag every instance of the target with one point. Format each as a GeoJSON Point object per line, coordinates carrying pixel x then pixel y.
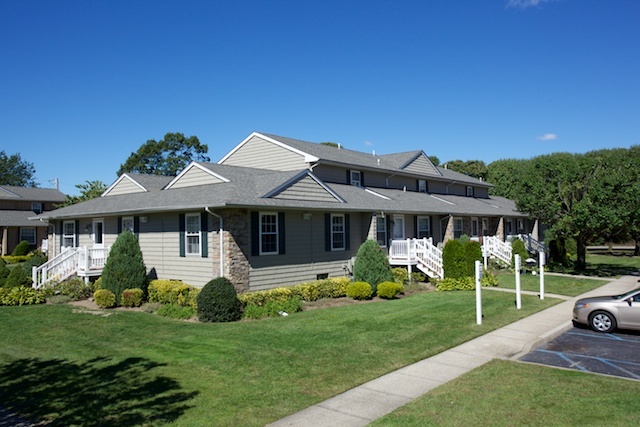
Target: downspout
{"type": "Point", "coordinates": [446, 189]}
{"type": "Point", "coordinates": [221, 239]}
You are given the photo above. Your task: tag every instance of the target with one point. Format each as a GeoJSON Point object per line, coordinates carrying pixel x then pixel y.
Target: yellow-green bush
{"type": "Point", "coordinates": [21, 295]}
{"type": "Point", "coordinates": [389, 290]}
{"type": "Point", "coordinates": [334, 287]}
{"type": "Point", "coordinates": [172, 292]}
{"type": "Point", "coordinates": [104, 298]}
{"type": "Point", "coordinates": [339, 286]}
{"type": "Point", "coordinates": [307, 291]}
{"type": "Point", "coordinates": [400, 275]}
{"type": "Point", "coordinates": [132, 297]}
{"type": "Point", "coordinates": [359, 290]}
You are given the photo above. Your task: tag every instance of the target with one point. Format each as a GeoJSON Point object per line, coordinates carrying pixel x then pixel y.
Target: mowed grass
{"type": "Point", "coordinates": [561, 285]}
{"type": "Point", "coordinates": [504, 393]}
{"type": "Point", "coordinates": [60, 364]}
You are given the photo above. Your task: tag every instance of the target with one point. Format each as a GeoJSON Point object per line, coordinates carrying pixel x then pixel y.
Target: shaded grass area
{"type": "Point", "coordinates": [505, 393]}
{"type": "Point", "coordinates": [614, 264]}
{"type": "Point", "coordinates": [139, 369]}
{"type": "Point", "coordinates": [561, 285]}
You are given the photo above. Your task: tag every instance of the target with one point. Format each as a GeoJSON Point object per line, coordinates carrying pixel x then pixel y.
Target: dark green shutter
{"type": "Point", "coordinates": [77, 233]}
{"type": "Point", "coordinates": [281, 238]}
{"type": "Point", "coordinates": [347, 232]}
{"type": "Point", "coordinates": [348, 177]}
{"type": "Point", "coordinates": [119, 224]}
{"type": "Point", "coordinates": [387, 234]}
{"type": "Point", "coordinates": [181, 230]}
{"type": "Point", "coordinates": [327, 232]}
{"type": "Point", "coordinates": [415, 226]}
{"type": "Point", "coordinates": [361, 179]}
{"type": "Point", "coordinates": [204, 234]}
{"type": "Point", "coordinates": [61, 231]}
{"type": "Point", "coordinates": [255, 234]}
{"type": "Point", "coordinates": [136, 226]}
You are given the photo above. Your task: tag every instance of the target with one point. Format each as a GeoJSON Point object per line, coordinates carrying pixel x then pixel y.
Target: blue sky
{"type": "Point", "coordinates": [85, 83]}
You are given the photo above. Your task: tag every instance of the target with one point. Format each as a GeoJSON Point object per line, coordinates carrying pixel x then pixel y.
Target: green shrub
{"type": "Point", "coordinates": [175, 311]}
{"type": "Point", "coordinates": [4, 272]}
{"type": "Point", "coordinates": [518, 247]}
{"type": "Point", "coordinates": [339, 286]}
{"type": "Point", "coordinates": [11, 259]}
{"type": "Point", "coordinates": [464, 238]}
{"type": "Point", "coordinates": [307, 291]}
{"type": "Point", "coordinates": [124, 268]}
{"type": "Point", "coordinates": [472, 253]}
{"type": "Point", "coordinates": [359, 290]}
{"type": "Point", "coordinates": [21, 249]}
{"type": "Point", "coordinates": [75, 288]}
{"type": "Point", "coordinates": [456, 284]}
{"type": "Point", "coordinates": [172, 292]}
{"type": "Point", "coordinates": [389, 290]}
{"type": "Point", "coordinates": [488, 279]}
{"type": "Point", "coordinates": [453, 259]}
{"type": "Point", "coordinates": [21, 295]}
{"type": "Point", "coordinates": [418, 277]}
{"type": "Point", "coordinates": [372, 265]}
{"type": "Point", "coordinates": [104, 298]}
{"type": "Point", "coordinates": [272, 309]}
{"type": "Point", "coordinates": [36, 259]}
{"type": "Point", "coordinates": [17, 277]}
{"type": "Point", "coordinates": [132, 297]}
{"type": "Point", "coordinates": [400, 275]}
{"type": "Point", "coordinates": [218, 302]}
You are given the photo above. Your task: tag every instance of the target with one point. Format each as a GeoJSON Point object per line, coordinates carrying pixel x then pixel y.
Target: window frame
{"type": "Point", "coordinates": [126, 219]}
{"type": "Point", "coordinates": [475, 227]}
{"type": "Point", "coordinates": [65, 235]}
{"type": "Point", "coordinates": [419, 230]}
{"type": "Point", "coordinates": [261, 233]}
{"type": "Point", "coordinates": [381, 220]}
{"type": "Point", "coordinates": [335, 232]}
{"type": "Point", "coordinates": [35, 235]}
{"type": "Point", "coordinates": [356, 182]}
{"type": "Point", "coordinates": [37, 207]}
{"type": "Point", "coordinates": [423, 188]}
{"type": "Point", "coordinates": [191, 234]}
{"type": "Point", "coordinates": [470, 192]}
{"type": "Point", "coordinates": [457, 232]}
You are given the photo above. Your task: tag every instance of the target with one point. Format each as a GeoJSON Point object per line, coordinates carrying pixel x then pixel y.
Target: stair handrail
{"type": "Point", "coordinates": [57, 268]}
{"type": "Point", "coordinates": [429, 255]}
{"type": "Point", "coordinates": [495, 247]}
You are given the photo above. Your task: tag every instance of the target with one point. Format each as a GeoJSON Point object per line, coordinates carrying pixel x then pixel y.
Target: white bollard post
{"type": "Point", "coordinates": [542, 262]}
{"type": "Point", "coordinates": [518, 296]}
{"type": "Point", "coordinates": [478, 294]}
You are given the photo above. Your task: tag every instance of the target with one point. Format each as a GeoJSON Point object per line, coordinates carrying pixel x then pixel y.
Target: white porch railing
{"type": "Point", "coordinates": [419, 252]}
{"type": "Point", "coordinates": [532, 245]}
{"type": "Point", "coordinates": [495, 247]}
{"type": "Point", "coordinates": [82, 261]}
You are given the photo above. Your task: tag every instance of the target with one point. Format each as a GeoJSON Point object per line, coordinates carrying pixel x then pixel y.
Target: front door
{"type": "Point", "coordinates": [398, 227]}
{"type": "Point", "coordinates": [98, 233]}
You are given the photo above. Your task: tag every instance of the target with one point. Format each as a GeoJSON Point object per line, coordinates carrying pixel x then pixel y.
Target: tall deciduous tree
{"type": "Point", "coordinates": [15, 171]}
{"type": "Point", "coordinates": [167, 156]}
{"type": "Point", "coordinates": [474, 168]}
{"type": "Point", "coordinates": [506, 176]}
{"type": "Point", "coordinates": [89, 190]}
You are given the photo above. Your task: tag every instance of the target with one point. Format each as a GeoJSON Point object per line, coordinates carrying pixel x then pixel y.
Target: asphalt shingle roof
{"type": "Point", "coordinates": [19, 219]}
{"type": "Point", "coordinates": [31, 194]}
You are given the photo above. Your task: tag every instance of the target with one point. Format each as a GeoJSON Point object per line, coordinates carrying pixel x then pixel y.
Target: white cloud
{"type": "Point", "coordinates": [368, 143]}
{"type": "Point", "coordinates": [548, 137]}
{"type": "Point", "coordinates": [523, 4]}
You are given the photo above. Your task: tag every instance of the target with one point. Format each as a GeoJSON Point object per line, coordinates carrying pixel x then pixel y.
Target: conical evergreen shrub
{"type": "Point", "coordinates": [372, 265]}
{"type": "Point", "coordinates": [125, 267]}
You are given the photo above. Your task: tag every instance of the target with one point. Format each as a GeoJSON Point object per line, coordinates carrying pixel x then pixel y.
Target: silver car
{"type": "Point", "coordinates": [604, 314]}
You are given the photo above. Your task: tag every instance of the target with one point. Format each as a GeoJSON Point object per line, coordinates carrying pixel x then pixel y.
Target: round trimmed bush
{"type": "Point", "coordinates": [218, 302]}
{"type": "Point", "coordinates": [389, 290]}
{"type": "Point", "coordinates": [22, 249]}
{"type": "Point", "coordinates": [104, 298]}
{"type": "Point", "coordinates": [132, 297]}
{"type": "Point", "coordinates": [359, 290]}
{"type": "Point", "coordinates": [18, 277]}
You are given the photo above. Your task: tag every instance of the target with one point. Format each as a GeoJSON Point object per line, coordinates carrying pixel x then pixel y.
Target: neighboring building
{"type": "Point", "coordinates": [17, 205]}
{"type": "Point", "coordinates": [278, 211]}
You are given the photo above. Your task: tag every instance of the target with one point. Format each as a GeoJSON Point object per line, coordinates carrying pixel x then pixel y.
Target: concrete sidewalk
{"type": "Point", "coordinates": [365, 403]}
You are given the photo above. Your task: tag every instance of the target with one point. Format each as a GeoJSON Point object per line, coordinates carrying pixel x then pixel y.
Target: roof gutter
{"type": "Point", "coordinates": [206, 208]}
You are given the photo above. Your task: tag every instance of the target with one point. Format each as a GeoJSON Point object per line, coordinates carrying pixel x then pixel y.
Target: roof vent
{"type": "Point", "coordinates": [378, 162]}
{"type": "Point", "coordinates": [374, 152]}
{"type": "Point", "coordinates": [339, 146]}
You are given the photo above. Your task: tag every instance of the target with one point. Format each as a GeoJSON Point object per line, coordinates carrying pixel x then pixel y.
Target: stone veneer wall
{"type": "Point", "coordinates": [237, 247]}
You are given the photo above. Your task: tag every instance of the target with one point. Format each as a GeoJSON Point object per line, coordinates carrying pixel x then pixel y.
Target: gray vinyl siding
{"type": "Point", "coordinates": [195, 176]}
{"type": "Point", "coordinates": [258, 153]}
{"type": "Point", "coordinates": [402, 182]}
{"type": "Point", "coordinates": [160, 244]}
{"type": "Point", "coordinates": [125, 186]}
{"type": "Point", "coordinates": [331, 174]}
{"type": "Point", "coordinates": [422, 165]}
{"type": "Point", "coordinates": [437, 187]}
{"type": "Point", "coordinates": [306, 189]}
{"type": "Point", "coordinates": [481, 192]}
{"type": "Point", "coordinates": [305, 255]}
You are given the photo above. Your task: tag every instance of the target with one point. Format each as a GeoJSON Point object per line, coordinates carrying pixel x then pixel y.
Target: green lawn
{"type": "Point", "coordinates": [505, 393]}
{"type": "Point", "coordinates": [561, 285]}
{"type": "Point", "coordinates": [133, 368]}
{"type": "Point", "coordinates": [612, 265]}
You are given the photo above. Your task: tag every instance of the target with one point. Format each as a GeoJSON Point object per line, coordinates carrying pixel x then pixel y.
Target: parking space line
{"type": "Point", "coordinates": [606, 362]}
{"type": "Point", "coordinates": [566, 359]}
{"type": "Point", "coordinates": [601, 336]}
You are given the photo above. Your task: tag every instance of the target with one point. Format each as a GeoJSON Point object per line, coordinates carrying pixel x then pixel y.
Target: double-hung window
{"type": "Point", "coordinates": [457, 227]}
{"type": "Point", "coordinates": [381, 231]}
{"type": "Point", "coordinates": [268, 233]}
{"type": "Point", "coordinates": [192, 233]}
{"type": "Point", "coordinates": [69, 234]}
{"type": "Point", "coordinates": [474, 227]}
{"type": "Point", "coordinates": [424, 227]}
{"type": "Point", "coordinates": [337, 232]}
{"type": "Point", "coordinates": [422, 186]}
{"type": "Point", "coordinates": [28, 234]}
{"type": "Point", "coordinates": [36, 207]}
{"type": "Point", "coordinates": [356, 178]}
{"type": "Point", "coordinates": [469, 191]}
{"type": "Point", "coordinates": [128, 224]}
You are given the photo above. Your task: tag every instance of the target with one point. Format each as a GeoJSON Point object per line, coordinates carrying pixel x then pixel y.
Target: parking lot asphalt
{"type": "Point", "coordinates": [579, 348]}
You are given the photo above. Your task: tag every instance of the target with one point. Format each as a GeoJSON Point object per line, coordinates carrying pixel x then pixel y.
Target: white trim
{"type": "Point", "coordinates": [442, 200]}
{"type": "Point", "coordinates": [279, 189]}
{"type": "Point", "coordinates": [377, 194]}
{"type": "Point", "coordinates": [192, 234]}
{"type": "Point", "coordinates": [64, 235]}
{"type": "Point", "coordinates": [199, 166]}
{"type": "Point", "coordinates": [93, 232]}
{"type": "Point", "coordinates": [308, 158]}
{"type": "Point", "coordinates": [404, 224]}
{"type": "Point", "coordinates": [277, 233]}
{"type": "Point", "coordinates": [344, 232]}
{"type": "Point", "coordinates": [123, 176]}
{"type": "Point", "coordinates": [355, 182]}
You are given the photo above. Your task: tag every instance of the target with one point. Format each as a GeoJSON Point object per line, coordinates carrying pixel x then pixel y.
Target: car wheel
{"type": "Point", "coordinates": [601, 321]}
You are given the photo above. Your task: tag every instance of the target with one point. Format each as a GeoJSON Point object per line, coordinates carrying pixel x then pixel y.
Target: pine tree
{"type": "Point", "coordinates": [125, 267]}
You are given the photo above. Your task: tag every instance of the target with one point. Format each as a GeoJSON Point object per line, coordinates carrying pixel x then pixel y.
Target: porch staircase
{"type": "Point", "coordinates": [81, 261]}
{"type": "Point", "coordinates": [494, 247]}
{"type": "Point", "coordinates": [532, 245]}
{"type": "Point", "coordinates": [419, 252]}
